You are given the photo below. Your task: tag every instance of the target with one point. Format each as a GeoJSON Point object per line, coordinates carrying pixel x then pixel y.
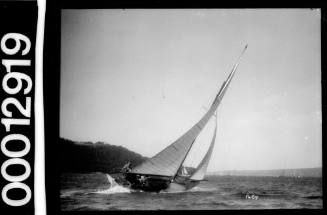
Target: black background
{"type": "Point", "coordinates": [52, 85]}
{"type": "Point", "coordinates": [19, 17]}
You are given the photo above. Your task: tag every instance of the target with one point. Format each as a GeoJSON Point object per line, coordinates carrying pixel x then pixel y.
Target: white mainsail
{"type": "Point", "coordinates": [168, 161]}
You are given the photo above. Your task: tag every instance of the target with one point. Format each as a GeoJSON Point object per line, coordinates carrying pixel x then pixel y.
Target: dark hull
{"type": "Point", "coordinates": [155, 183]}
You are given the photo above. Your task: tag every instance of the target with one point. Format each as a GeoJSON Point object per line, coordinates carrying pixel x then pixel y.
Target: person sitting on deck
{"type": "Point", "coordinates": [127, 167]}
{"type": "Point", "coordinates": [143, 179]}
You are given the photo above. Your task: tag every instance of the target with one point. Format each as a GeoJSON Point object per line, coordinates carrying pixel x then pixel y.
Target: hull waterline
{"type": "Point", "coordinates": [155, 183]}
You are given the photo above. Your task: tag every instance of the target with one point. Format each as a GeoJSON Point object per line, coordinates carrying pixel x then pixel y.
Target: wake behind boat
{"type": "Point", "coordinates": [166, 170]}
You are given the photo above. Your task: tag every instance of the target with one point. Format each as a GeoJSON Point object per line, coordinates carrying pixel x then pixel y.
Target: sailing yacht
{"type": "Point", "coordinates": [165, 170]}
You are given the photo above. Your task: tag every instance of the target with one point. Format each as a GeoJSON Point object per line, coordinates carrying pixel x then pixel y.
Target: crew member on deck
{"type": "Point", "coordinates": [127, 167]}
{"type": "Point", "coordinates": [143, 180]}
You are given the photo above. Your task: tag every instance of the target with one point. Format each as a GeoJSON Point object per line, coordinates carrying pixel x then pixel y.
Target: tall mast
{"type": "Point", "coordinates": [219, 96]}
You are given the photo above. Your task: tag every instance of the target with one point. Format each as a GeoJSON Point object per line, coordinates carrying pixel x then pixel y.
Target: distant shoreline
{"type": "Point", "coordinates": [107, 158]}
{"type": "Point", "coordinates": [299, 172]}
{"type": "Point", "coordinates": [65, 174]}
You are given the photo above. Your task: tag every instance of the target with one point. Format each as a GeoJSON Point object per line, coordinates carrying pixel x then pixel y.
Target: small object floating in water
{"type": "Point", "coordinates": [251, 196]}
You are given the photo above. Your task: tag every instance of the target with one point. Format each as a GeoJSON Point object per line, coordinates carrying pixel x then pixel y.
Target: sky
{"type": "Point", "coordinates": [140, 78]}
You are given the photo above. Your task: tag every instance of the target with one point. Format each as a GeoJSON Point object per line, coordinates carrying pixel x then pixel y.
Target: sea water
{"type": "Point", "coordinates": [97, 191]}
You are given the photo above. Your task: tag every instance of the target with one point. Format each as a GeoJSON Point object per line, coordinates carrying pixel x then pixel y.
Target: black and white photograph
{"type": "Point", "coordinates": [190, 109]}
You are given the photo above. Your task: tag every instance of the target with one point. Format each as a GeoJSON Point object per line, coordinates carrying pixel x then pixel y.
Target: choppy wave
{"type": "Point", "coordinates": [313, 197]}
{"type": "Point", "coordinates": [114, 190]}
{"type": "Point", "coordinates": [114, 187]}
{"type": "Point", "coordinates": [202, 189]}
{"type": "Point", "coordinates": [100, 192]}
{"type": "Point", "coordinates": [69, 193]}
{"type": "Point", "coordinates": [194, 189]}
{"type": "Point", "coordinates": [260, 193]}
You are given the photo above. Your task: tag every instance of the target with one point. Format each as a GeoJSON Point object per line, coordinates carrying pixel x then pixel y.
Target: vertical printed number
{"type": "Point", "coordinates": [18, 77]}
{"type": "Point", "coordinates": [16, 185]}
{"type": "Point", "coordinates": [15, 82]}
{"type": "Point", "coordinates": [26, 111]}
{"type": "Point", "coordinates": [17, 37]}
{"type": "Point", "coordinates": [8, 122]}
{"type": "Point", "coordinates": [10, 138]}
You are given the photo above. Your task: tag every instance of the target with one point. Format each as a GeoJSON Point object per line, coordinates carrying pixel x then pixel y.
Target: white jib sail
{"type": "Point", "coordinates": [202, 167]}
